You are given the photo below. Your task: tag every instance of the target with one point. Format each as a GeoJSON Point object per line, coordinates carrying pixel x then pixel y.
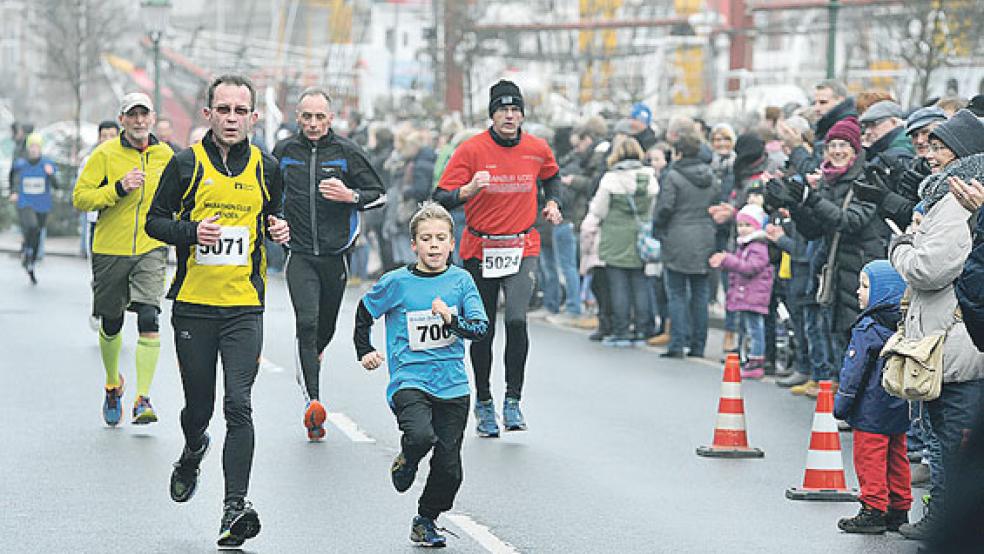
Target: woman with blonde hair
{"type": "Point", "coordinates": [624, 199]}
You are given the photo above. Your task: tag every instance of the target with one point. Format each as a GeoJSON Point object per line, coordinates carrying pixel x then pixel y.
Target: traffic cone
{"type": "Point", "coordinates": [730, 440]}
{"type": "Point", "coordinates": [824, 479]}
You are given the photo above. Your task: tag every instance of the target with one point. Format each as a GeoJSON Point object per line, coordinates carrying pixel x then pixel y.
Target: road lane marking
{"type": "Point", "coordinates": [348, 427]}
{"type": "Point", "coordinates": [268, 366]}
{"type": "Point", "coordinates": [481, 534]}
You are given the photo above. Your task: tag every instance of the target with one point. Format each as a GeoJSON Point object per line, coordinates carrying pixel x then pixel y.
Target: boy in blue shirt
{"type": "Point", "coordinates": [429, 307]}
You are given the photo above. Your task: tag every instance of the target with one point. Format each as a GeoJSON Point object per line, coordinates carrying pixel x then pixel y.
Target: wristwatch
{"type": "Point", "coordinates": [355, 197]}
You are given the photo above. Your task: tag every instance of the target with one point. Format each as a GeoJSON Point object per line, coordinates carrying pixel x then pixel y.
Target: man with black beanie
{"type": "Point", "coordinates": [497, 176]}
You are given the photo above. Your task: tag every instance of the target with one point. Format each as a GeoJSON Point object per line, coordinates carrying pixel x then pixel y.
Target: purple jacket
{"type": "Point", "coordinates": [749, 276]}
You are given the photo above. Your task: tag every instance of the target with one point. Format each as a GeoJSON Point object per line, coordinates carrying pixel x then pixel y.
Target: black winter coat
{"type": "Point", "coordinates": [864, 238]}
{"type": "Point", "coordinates": [681, 220]}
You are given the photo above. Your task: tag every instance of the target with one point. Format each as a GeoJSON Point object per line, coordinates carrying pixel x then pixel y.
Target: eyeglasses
{"type": "Point", "coordinates": [936, 147]}
{"type": "Point", "coordinates": [308, 116]}
{"type": "Point", "coordinates": [241, 111]}
{"type": "Point", "coordinates": [838, 145]}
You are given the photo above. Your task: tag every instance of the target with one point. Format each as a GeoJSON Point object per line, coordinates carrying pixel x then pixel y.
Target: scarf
{"type": "Point", "coordinates": [934, 187]}
{"type": "Point", "coordinates": [831, 174]}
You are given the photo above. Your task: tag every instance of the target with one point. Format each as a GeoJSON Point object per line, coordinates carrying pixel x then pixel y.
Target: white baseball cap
{"type": "Point", "coordinates": [133, 99]}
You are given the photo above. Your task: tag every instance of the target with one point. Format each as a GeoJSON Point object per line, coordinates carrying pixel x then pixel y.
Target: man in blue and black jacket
{"type": "Point", "coordinates": [328, 180]}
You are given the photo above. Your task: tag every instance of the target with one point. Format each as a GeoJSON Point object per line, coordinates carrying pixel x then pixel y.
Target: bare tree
{"type": "Point", "coordinates": [73, 35]}
{"type": "Point", "coordinates": [931, 35]}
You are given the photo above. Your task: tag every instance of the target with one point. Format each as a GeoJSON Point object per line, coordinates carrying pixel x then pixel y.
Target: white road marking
{"type": "Point", "coordinates": [348, 427]}
{"type": "Point", "coordinates": [268, 366]}
{"type": "Point", "coordinates": [481, 534]}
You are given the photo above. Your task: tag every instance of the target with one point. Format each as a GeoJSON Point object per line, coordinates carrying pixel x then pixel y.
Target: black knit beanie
{"type": "Point", "coordinates": [505, 93]}
{"type": "Point", "coordinates": [963, 133]}
{"type": "Point", "coordinates": [749, 148]}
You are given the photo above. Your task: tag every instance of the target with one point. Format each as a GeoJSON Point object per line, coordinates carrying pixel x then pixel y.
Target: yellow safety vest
{"type": "Point", "coordinates": [233, 272]}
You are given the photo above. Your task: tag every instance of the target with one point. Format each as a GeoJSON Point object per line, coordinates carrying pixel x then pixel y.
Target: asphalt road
{"type": "Point", "coordinates": [608, 464]}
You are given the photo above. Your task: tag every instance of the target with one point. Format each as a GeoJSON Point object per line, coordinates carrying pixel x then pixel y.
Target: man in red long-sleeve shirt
{"type": "Point", "coordinates": [496, 176]}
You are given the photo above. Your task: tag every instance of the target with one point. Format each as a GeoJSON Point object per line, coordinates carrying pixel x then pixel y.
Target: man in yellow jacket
{"type": "Point", "coordinates": [128, 267]}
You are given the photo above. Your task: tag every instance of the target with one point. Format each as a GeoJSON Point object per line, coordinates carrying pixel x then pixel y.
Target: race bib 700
{"type": "Point", "coordinates": [426, 330]}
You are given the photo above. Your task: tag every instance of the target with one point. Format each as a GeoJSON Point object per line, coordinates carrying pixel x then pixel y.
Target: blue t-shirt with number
{"type": "Point", "coordinates": [420, 351]}
{"type": "Point", "coordinates": [33, 184]}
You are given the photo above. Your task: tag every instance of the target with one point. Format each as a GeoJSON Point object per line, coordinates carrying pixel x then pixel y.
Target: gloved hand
{"type": "Point", "coordinates": [777, 196]}
{"type": "Point", "coordinates": [898, 240]}
{"type": "Point", "coordinates": [874, 188]}
{"type": "Point", "coordinates": [908, 182]}
{"type": "Point", "coordinates": [801, 194]}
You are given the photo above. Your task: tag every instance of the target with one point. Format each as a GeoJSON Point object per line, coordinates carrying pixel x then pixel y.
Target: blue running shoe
{"type": "Point", "coordinates": [617, 341]}
{"type": "Point", "coordinates": [485, 414]}
{"type": "Point", "coordinates": [424, 532]}
{"type": "Point", "coordinates": [113, 405]}
{"type": "Point", "coordinates": [512, 416]}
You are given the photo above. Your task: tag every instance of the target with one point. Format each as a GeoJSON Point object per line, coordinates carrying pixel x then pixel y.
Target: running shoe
{"type": "Point", "coordinates": [143, 412]}
{"type": "Point", "coordinates": [424, 532]}
{"type": "Point", "coordinates": [184, 477]}
{"type": "Point", "coordinates": [239, 522]}
{"type": "Point", "coordinates": [314, 420]}
{"type": "Point", "coordinates": [113, 405]}
{"type": "Point", "coordinates": [485, 414]}
{"type": "Point", "coordinates": [402, 473]}
{"type": "Point", "coordinates": [512, 416]}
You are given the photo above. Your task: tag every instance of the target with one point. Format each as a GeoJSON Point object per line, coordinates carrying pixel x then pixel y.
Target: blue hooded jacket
{"type": "Point", "coordinates": [860, 399]}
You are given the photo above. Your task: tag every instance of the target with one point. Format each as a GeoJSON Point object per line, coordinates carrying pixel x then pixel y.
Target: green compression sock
{"type": "Point", "coordinates": [109, 347]}
{"type": "Point", "coordinates": [148, 351]}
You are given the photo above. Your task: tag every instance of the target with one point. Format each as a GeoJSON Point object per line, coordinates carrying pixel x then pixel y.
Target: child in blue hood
{"type": "Point", "coordinates": [878, 419]}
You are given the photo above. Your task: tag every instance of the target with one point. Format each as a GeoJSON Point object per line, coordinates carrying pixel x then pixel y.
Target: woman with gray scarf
{"type": "Point", "coordinates": [930, 257]}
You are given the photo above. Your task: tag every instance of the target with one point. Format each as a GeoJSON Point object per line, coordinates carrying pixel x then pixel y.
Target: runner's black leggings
{"type": "Point", "coordinates": [32, 223]}
{"type": "Point", "coordinates": [198, 342]}
{"type": "Point", "coordinates": [316, 285]}
{"type": "Point", "coordinates": [432, 423]}
{"type": "Point", "coordinates": [518, 289]}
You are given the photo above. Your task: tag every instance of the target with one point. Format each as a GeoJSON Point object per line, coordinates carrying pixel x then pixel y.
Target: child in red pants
{"type": "Point", "coordinates": [879, 420]}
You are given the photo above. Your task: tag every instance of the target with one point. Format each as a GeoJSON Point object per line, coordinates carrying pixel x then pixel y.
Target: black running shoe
{"type": "Point", "coordinates": [402, 473]}
{"type": "Point", "coordinates": [868, 521]}
{"type": "Point", "coordinates": [239, 522]}
{"type": "Point", "coordinates": [184, 477]}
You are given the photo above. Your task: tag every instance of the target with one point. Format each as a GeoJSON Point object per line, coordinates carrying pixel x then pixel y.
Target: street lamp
{"type": "Point", "coordinates": [155, 15]}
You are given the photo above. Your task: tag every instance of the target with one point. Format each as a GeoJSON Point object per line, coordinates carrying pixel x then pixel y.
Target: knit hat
{"type": "Point", "coordinates": [724, 129]}
{"type": "Point", "coordinates": [642, 112]}
{"type": "Point", "coordinates": [846, 129]}
{"type": "Point", "coordinates": [753, 214]}
{"type": "Point", "coordinates": [749, 148]}
{"type": "Point", "coordinates": [885, 285]}
{"type": "Point", "coordinates": [976, 105]}
{"type": "Point", "coordinates": [923, 117]}
{"type": "Point", "coordinates": [505, 93]}
{"type": "Point", "coordinates": [963, 133]}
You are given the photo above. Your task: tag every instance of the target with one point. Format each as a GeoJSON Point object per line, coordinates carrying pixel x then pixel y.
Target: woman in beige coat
{"type": "Point", "coordinates": [930, 258]}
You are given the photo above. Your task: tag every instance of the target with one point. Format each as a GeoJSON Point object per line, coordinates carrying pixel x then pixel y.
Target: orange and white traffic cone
{"type": "Point", "coordinates": [730, 439]}
{"type": "Point", "coordinates": [824, 478]}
